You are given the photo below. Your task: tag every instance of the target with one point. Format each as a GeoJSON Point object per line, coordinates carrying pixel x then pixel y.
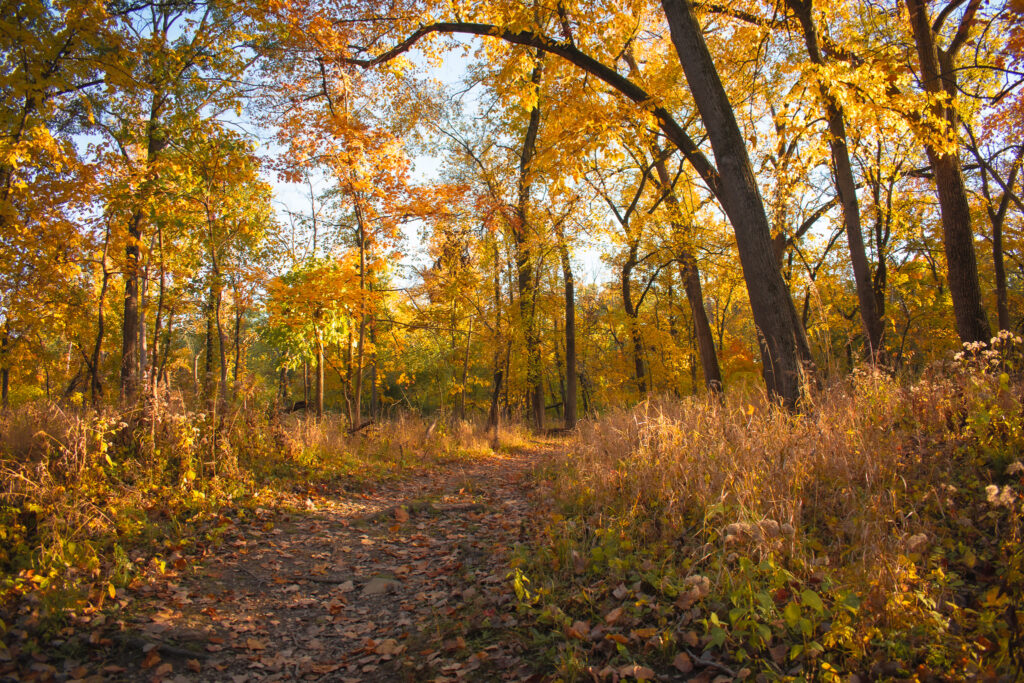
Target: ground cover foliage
{"type": "Point", "coordinates": [92, 503]}
{"type": "Point", "coordinates": [876, 534]}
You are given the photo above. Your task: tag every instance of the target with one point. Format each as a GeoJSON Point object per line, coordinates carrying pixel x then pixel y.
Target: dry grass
{"type": "Point", "coordinates": [874, 495]}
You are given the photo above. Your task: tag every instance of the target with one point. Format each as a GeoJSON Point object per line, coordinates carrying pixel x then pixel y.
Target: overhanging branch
{"type": "Point", "coordinates": [666, 122]}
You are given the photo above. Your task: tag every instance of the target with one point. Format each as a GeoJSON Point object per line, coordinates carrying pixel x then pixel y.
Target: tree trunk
{"type": "Point", "coordinates": [626, 285]}
{"type": "Point", "coordinates": [374, 398]}
{"type": "Point", "coordinates": [690, 275]}
{"type": "Point", "coordinates": [494, 416]}
{"type": "Point", "coordinates": [305, 385]}
{"type": "Point", "coordinates": [782, 340]}
{"type": "Point", "coordinates": [222, 390]}
{"type": "Point", "coordinates": [846, 189]}
{"type": "Point", "coordinates": [701, 325]}
{"type": "Point", "coordinates": [319, 376]}
{"type": "Point", "coordinates": [95, 386]}
{"type": "Point", "coordinates": [570, 332]}
{"type": "Point", "coordinates": [238, 346]}
{"type": "Point", "coordinates": [5, 368]}
{"type": "Point", "coordinates": [465, 374]}
{"type": "Point", "coordinates": [129, 336]}
{"type": "Point", "coordinates": [938, 78]}
{"type": "Point", "coordinates": [130, 326]}
{"type": "Point", "coordinates": [210, 350]}
{"type": "Point", "coordinates": [525, 266]}
{"type": "Point", "coordinates": [158, 321]}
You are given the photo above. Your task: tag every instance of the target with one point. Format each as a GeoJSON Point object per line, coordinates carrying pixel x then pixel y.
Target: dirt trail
{"type": "Point", "coordinates": [408, 582]}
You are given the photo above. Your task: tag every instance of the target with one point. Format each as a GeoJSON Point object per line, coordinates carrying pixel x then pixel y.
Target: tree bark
{"type": "Point", "coordinates": [570, 331]}
{"type": "Point", "coordinates": [494, 416]}
{"type": "Point", "coordinates": [938, 77]}
{"type": "Point", "coordinates": [626, 285]}
{"type": "Point", "coordinates": [524, 263]}
{"type": "Point", "coordinates": [129, 337]}
{"type": "Point", "coordinates": [846, 189]}
{"type": "Point", "coordinates": [319, 389]}
{"type": "Point", "coordinates": [5, 368]}
{"type": "Point", "coordinates": [690, 275]}
{"type": "Point", "coordinates": [783, 343]}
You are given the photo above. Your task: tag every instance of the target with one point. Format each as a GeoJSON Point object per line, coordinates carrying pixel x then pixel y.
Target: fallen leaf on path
{"type": "Point", "coordinates": [255, 644]}
{"type": "Point", "coordinates": [683, 662]}
{"type": "Point", "coordinates": [641, 673]}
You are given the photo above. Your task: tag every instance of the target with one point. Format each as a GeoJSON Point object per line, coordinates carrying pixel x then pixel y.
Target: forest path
{"type": "Point", "coordinates": [404, 582]}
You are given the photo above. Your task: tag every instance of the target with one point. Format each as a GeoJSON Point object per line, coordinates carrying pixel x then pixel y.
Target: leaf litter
{"type": "Point", "coordinates": [408, 581]}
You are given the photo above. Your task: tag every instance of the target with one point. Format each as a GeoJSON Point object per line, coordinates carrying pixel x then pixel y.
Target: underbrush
{"type": "Point", "coordinates": [875, 534]}
{"type": "Point", "coordinates": [92, 502]}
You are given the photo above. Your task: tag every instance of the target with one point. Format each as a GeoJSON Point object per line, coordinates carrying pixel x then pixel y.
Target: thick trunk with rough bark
{"type": "Point", "coordinates": [783, 343]}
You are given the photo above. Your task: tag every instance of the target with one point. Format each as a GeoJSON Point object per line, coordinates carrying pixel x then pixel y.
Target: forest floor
{"type": "Point", "coordinates": [403, 580]}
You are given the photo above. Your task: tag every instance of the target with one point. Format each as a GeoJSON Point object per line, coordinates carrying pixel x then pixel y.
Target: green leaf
{"type": "Point", "coordinates": [792, 614]}
{"type": "Point", "coordinates": [811, 598]}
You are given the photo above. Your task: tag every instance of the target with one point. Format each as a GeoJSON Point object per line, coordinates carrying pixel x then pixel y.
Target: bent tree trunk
{"type": "Point", "coordinates": [782, 339]}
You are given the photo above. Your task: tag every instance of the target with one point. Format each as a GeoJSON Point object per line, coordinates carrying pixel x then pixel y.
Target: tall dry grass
{"type": "Point", "coordinates": [897, 502]}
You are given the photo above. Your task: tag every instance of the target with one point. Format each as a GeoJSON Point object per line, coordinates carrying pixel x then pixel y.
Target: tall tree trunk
{"type": "Point", "coordinates": [570, 331]}
{"type": "Point", "coordinates": [701, 325]}
{"type": "Point", "coordinates": [846, 188]}
{"type": "Point", "coordinates": [143, 353]}
{"type": "Point", "coordinates": [465, 374]}
{"type": "Point", "coordinates": [374, 397]}
{"type": "Point", "coordinates": [524, 262]}
{"type": "Point", "coordinates": [222, 390]}
{"type": "Point", "coordinates": [690, 275]}
{"type": "Point", "coordinates": [938, 77]}
{"type": "Point", "coordinates": [997, 216]}
{"type": "Point", "coordinates": [5, 367]}
{"type": "Point", "coordinates": [154, 366]}
{"type": "Point", "coordinates": [626, 287]}
{"type": "Point", "coordinates": [494, 416]}
{"type": "Point", "coordinates": [319, 390]}
{"type": "Point", "coordinates": [363, 315]}
{"type": "Point", "coordinates": [238, 346]}
{"type": "Point", "coordinates": [783, 343]}
{"type": "Point", "coordinates": [165, 354]}
{"type": "Point", "coordinates": [208, 388]}
{"type": "Point", "coordinates": [95, 385]}
{"type": "Point", "coordinates": [130, 326]}
{"type": "Point", "coordinates": [129, 336]}
{"type": "Point", "coordinates": [305, 385]}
